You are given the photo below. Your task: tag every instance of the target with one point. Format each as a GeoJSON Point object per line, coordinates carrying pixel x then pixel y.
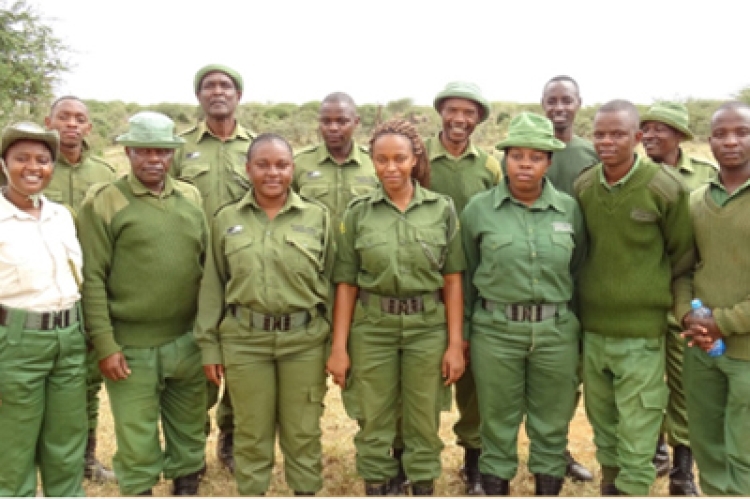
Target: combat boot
{"type": "Point", "coordinates": [681, 479]}
{"type": "Point", "coordinates": [147, 492]}
{"type": "Point", "coordinates": [92, 468]}
{"type": "Point", "coordinates": [426, 488]}
{"type": "Point", "coordinates": [494, 485]}
{"type": "Point", "coordinates": [186, 485]}
{"type": "Point", "coordinates": [661, 457]}
{"type": "Point", "coordinates": [397, 485]}
{"type": "Point", "coordinates": [575, 470]}
{"type": "Point", "coordinates": [376, 488]}
{"type": "Point", "coordinates": [547, 485]}
{"type": "Point", "coordinates": [225, 450]}
{"type": "Point", "coordinates": [608, 489]}
{"type": "Point", "coordinates": [470, 472]}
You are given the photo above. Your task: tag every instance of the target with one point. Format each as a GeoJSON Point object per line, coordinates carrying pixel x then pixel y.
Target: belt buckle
{"type": "Point", "coordinates": [394, 306]}
{"type": "Point", "coordinates": [284, 322]}
{"type": "Point", "coordinates": [269, 323]}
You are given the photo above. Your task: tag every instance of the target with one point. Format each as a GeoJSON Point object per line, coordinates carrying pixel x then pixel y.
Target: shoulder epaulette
{"type": "Point", "coordinates": [701, 161]}
{"type": "Point", "coordinates": [667, 182]}
{"type": "Point", "coordinates": [306, 150]}
{"type": "Point", "coordinates": [226, 205]}
{"type": "Point", "coordinates": [359, 199]}
{"type": "Point", "coordinates": [585, 179]}
{"type": "Point", "coordinates": [188, 131]}
{"type": "Point", "coordinates": [102, 161]}
{"type": "Point", "coordinates": [96, 189]}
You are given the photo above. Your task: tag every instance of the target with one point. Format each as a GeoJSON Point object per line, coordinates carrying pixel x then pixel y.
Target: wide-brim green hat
{"type": "Point", "coordinates": [149, 129]}
{"type": "Point", "coordinates": [463, 90]}
{"type": "Point", "coordinates": [26, 130]}
{"type": "Point", "coordinates": [672, 114]}
{"type": "Point", "coordinates": [217, 68]}
{"type": "Point", "coordinates": [533, 131]}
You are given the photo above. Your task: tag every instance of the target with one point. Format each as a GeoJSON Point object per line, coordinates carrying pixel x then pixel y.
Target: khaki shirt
{"type": "Point", "coordinates": [401, 254]}
{"type": "Point", "coordinates": [70, 182]}
{"type": "Point", "coordinates": [277, 266]}
{"type": "Point", "coordinates": [695, 172]}
{"type": "Point", "coordinates": [461, 177]}
{"type": "Point", "coordinates": [215, 167]}
{"type": "Point", "coordinates": [318, 176]}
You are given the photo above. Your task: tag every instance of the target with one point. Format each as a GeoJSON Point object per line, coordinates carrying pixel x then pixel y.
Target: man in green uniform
{"type": "Point", "coordinates": [460, 169]}
{"type": "Point", "coordinates": [339, 169]}
{"type": "Point", "coordinates": [213, 160]}
{"type": "Point", "coordinates": [640, 240]}
{"type": "Point", "coordinates": [76, 169]}
{"type": "Point", "coordinates": [561, 100]}
{"type": "Point", "coordinates": [664, 127]}
{"type": "Point", "coordinates": [144, 238]}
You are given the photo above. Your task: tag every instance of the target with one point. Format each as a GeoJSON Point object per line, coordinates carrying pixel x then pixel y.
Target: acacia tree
{"type": "Point", "coordinates": [32, 59]}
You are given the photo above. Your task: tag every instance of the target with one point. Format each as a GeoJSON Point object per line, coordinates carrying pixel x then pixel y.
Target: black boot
{"type": "Point", "coordinates": [376, 489]}
{"type": "Point", "coordinates": [547, 485]}
{"type": "Point", "coordinates": [608, 489]}
{"type": "Point", "coordinates": [298, 493]}
{"type": "Point", "coordinates": [575, 470]}
{"type": "Point", "coordinates": [681, 479]}
{"type": "Point", "coordinates": [225, 450]}
{"type": "Point", "coordinates": [494, 485]}
{"type": "Point", "coordinates": [426, 488]}
{"type": "Point", "coordinates": [186, 485]}
{"type": "Point", "coordinates": [661, 457]}
{"type": "Point", "coordinates": [92, 468]}
{"type": "Point", "coordinates": [397, 486]}
{"type": "Point", "coordinates": [470, 472]}
{"type": "Point", "coordinates": [147, 492]}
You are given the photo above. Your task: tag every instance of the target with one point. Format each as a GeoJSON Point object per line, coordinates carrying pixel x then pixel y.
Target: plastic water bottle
{"type": "Point", "coordinates": [702, 312]}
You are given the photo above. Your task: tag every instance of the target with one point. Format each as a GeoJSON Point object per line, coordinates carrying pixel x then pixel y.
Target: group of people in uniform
{"type": "Point", "coordinates": [223, 259]}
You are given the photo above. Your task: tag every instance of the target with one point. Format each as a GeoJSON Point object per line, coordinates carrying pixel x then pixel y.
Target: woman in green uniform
{"type": "Point", "coordinates": [523, 242]}
{"type": "Point", "coordinates": [262, 320]}
{"type": "Point", "coordinates": [398, 311]}
{"type": "Point", "coordinates": [43, 420]}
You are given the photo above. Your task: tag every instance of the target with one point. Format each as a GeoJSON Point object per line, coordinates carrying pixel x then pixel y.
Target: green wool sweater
{"type": "Point", "coordinates": [143, 260]}
{"type": "Point", "coordinates": [722, 273]}
{"type": "Point", "coordinates": [640, 239]}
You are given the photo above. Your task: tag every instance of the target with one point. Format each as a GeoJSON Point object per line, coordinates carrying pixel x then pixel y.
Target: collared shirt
{"type": "Point", "coordinates": [215, 167]}
{"type": "Point", "coordinates": [70, 182]}
{"type": "Point", "coordinates": [719, 193]}
{"type": "Point", "coordinates": [578, 155]}
{"type": "Point", "coordinates": [623, 180]}
{"type": "Point", "coordinates": [461, 177]}
{"type": "Point", "coordinates": [521, 254]}
{"type": "Point", "coordinates": [695, 172]}
{"type": "Point", "coordinates": [388, 252]}
{"type": "Point", "coordinates": [318, 176]}
{"type": "Point", "coordinates": [38, 258]}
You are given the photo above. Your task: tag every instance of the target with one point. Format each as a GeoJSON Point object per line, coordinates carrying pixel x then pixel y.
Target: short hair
{"type": "Point", "coordinates": [264, 138]}
{"type": "Point", "coordinates": [64, 98]}
{"type": "Point", "coordinates": [563, 78]}
{"type": "Point", "coordinates": [733, 105]}
{"type": "Point", "coordinates": [618, 105]}
{"type": "Point", "coordinates": [339, 98]}
{"type": "Point", "coordinates": [397, 126]}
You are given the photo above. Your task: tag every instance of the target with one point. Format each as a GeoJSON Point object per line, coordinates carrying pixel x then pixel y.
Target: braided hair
{"type": "Point", "coordinates": [397, 126]}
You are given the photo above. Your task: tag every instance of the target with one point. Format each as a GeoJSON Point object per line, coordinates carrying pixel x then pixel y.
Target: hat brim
{"type": "Point", "coordinates": [687, 134]}
{"type": "Point", "coordinates": [463, 95]}
{"type": "Point", "coordinates": [174, 144]}
{"type": "Point", "coordinates": [550, 145]}
{"type": "Point", "coordinates": [49, 138]}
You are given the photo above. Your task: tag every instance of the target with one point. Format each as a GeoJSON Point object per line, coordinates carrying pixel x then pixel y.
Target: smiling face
{"type": "Point", "coordinates": [394, 159]}
{"type": "Point", "coordinates": [460, 118]}
{"type": "Point", "coordinates": [270, 168]}
{"type": "Point", "coordinates": [561, 103]}
{"type": "Point", "coordinates": [660, 141]}
{"type": "Point", "coordinates": [28, 168]}
{"type": "Point", "coordinates": [218, 96]}
{"type": "Point", "coordinates": [150, 165]}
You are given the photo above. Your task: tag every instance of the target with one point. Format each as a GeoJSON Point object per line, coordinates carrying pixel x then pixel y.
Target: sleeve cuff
{"type": "Point", "coordinates": [211, 355]}
{"type": "Point", "coordinates": [105, 344]}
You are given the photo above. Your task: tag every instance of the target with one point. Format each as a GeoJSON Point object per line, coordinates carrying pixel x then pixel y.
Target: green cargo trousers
{"type": "Point", "coordinates": [276, 380]}
{"type": "Point", "coordinates": [625, 394]}
{"type": "Point", "coordinates": [524, 368]}
{"type": "Point", "coordinates": [166, 382]}
{"type": "Point", "coordinates": [718, 402]}
{"type": "Point", "coordinates": [42, 409]}
{"type": "Point", "coordinates": [466, 427]}
{"type": "Point", "coordinates": [675, 420]}
{"type": "Point", "coordinates": [397, 358]}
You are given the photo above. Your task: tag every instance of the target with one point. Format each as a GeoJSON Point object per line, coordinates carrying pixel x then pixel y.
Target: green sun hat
{"type": "Point", "coordinates": [532, 131]}
{"type": "Point", "coordinates": [149, 129]}
{"type": "Point", "coordinates": [673, 114]}
{"type": "Point", "coordinates": [26, 130]}
{"type": "Point", "coordinates": [463, 90]}
{"type": "Point", "coordinates": [214, 68]}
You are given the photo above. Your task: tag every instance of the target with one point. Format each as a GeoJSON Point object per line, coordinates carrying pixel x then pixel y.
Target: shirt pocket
{"type": "Point", "coordinates": [562, 251]}
{"type": "Point", "coordinates": [303, 253]}
{"type": "Point", "coordinates": [238, 251]}
{"type": "Point", "coordinates": [314, 191]}
{"type": "Point", "coordinates": [374, 255]}
{"type": "Point", "coordinates": [198, 175]}
{"type": "Point", "coordinates": [494, 250]}
{"type": "Point", "coordinates": [431, 247]}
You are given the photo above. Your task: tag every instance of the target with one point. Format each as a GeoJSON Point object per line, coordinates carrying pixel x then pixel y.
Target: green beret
{"type": "Point", "coordinates": [463, 90]}
{"type": "Point", "coordinates": [673, 114]}
{"type": "Point", "coordinates": [532, 131]}
{"type": "Point", "coordinates": [212, 68]}
{"type": "Point", "coordinates": [25, 130]}
{"type": "Point", "coordinates": [150, 130]}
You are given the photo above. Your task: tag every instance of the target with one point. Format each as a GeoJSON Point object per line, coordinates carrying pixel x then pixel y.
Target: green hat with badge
{"type": "Point", "coordinates": [26, 130]}
{"type": "Point", "coordinates": [463, 90]}
{"type": "Point", "coordinates": [533, 131]}
{"type": "Point", "coordinates": [217, 68]}
{"type": "Point", "coordinates": [149, 129]}
{"type": "Point", "coordinates": [672, 114]}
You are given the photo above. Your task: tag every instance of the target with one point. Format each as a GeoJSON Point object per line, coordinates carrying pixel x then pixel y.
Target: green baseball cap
{"type": "Point", "coordinates": [463, 90]}
{"type": "Point", "coordinates": [214, 68]}
{"type": "Point", "coordinates": [26, 130]}
{"type": "Point", "coordinates": [673, 114]}
{"type": "Point", "coordinates": [150, 129]}
{"type": "Point", "coordinates": [533, 131]}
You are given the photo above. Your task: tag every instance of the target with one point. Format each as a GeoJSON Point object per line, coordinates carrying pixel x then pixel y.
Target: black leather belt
{"type": "Point", "coordinates": [269, 322]}
{"type": "Point", "coordinates": [43, 321]}
{"type": "Point", "coordinates": [526, 312]}
{"type": "Point", "coordinates": [399, 306]}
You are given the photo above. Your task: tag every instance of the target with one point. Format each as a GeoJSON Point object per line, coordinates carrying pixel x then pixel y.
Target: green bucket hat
{"type": "Point", "coordinates": [25, 130]}
{"type": "Point", "coordinates": [463, 90]}
{"type": "Point", "coordinates": [220, 68]}
{"type": "Point", "coordinates": [533, 131]}
{"type": "Point", "coordinates": [150, 129]}
{"type": "Point", "coordinates": [673, 114]}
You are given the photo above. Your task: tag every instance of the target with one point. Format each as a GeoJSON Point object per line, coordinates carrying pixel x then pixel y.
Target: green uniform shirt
{"type": "Point", "coordinates": [521, 254]}
{"type": "Point", "coordinates": [719, 193]}
{"type": "Point", "coordinates": [277, 266]}
{"type": "Point", "coordinates": [578, 155]}
{"type": "Point", "coordinates": [695, 172]}
{"type": "Point", "coordinates": [70, 183]}
{"type": "Point", "coordinates": [318, 176]}
{"type": "Point", "coordinates": [401, 254]}
{"type": "Point", "coordinates": [460, 178]}
{"type": "Point", "coordinates": [215, 167]}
